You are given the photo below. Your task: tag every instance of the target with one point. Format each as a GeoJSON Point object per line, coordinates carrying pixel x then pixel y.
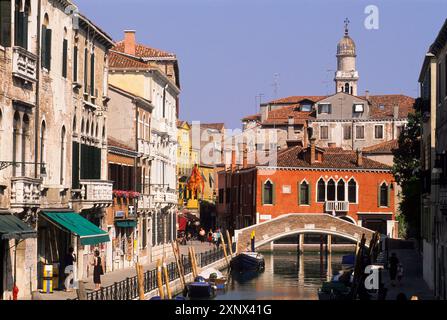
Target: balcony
{"type": "Point", "coordinates": [144, 148]}
{"type": "Point", "coordinates": [163, 195]}
{"type": "Point", "coordinates": [144, 202]}
{"type": "Point", "coordinates": [93, 193]}
{"type": "Point", "coordinates": [337, 206]}
{"type": "Point", "coordinates": [25, 192]}
{"type": "Point", "coordinates": [24, 64]}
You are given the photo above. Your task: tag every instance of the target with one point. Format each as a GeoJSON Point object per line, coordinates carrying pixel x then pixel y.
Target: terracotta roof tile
{"type": "Point", "coordinates": [281, 115]}
{"type": "Point", "coordinates": [252, 117]}
{"type": "Point", "coordinates": [120, 61]}
{"type": "Point", "coordinates": [297, 99]}
{"type": "Point", "coordinates": [216, 126]}
{"type": "Point", "coordinates": [333, 158]}
{"type": "Point", "coordinates": [386, 147]}
{"type": "Point", "coordinates": [143, 51]}
{"type": "Point", "coordinates": [405, 104]}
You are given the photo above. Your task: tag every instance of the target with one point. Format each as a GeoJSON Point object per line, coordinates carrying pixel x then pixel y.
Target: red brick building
{"type": "Point", "coordinates": [310, 180]}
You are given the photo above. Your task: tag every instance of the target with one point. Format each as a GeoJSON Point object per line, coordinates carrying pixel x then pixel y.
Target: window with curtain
{"type": "Point", "coordinates": [304, 193]}
{"type": "Point", "coordinates": [360, 132]}
{"type": "Point", "coordinates": [268, 193]}
{"type": "Point", "coordinates": [352, 191]}
{"type": "Point", "coordinates": [378, 132]}
{"type": "Point", "coordinates": [331, 190]}
{"type": "Point", "coordinates": [341, 191]}
{"type": "Point", "coordinates": [321, 191]}
{"type": "Point", "coordinates": [324, 132]}
{"type": "Point", "coordinates": [347, 132]}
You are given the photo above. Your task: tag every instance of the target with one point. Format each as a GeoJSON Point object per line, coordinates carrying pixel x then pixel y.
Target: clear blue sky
{"type": "Point", "coordinates": [229, 50]}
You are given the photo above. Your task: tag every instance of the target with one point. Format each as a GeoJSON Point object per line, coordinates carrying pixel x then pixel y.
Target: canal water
{"type": "Point", "coordinates": [287, 276]}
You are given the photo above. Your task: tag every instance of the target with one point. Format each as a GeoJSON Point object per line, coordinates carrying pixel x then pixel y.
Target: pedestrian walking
{"type": "Point", "coordinates": [97, 270]}
{"type": "Point", "coordinates": [202, 235]}
{"type": "Point", "coordinates": [70, 259]}
{"type": "Point", "coordinates": [393, 264]}
{"type": "Point", "coordinates": [210, 236]}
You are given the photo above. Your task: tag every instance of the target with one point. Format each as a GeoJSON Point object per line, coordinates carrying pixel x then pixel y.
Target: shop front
{"type": "Point", "coordinates": [125, 243]}
{"type": "Point", "coordinates": [57, 232]}
{"type": "Point", "coordinates": [13, 236]}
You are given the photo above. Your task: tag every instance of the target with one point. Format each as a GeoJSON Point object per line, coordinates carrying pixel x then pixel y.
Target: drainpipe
{"type": "Point", "coordinates": [36, 116]}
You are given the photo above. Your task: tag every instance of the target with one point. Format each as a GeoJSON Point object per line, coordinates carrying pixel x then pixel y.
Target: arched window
{"type": "Point", "coordinates": [74, 123]}
{"type": "Point", "coordinates": [352, 191]}
{"type": "Point", "coordinates": [331, 190]}
{"type": "Point", "coordinates": [62, 155]}
{"type": "Point", "coordinates": [268, 193]}
{"type": "Point", "coordinates": [87, 128]}
{"type": "Point", "coordinates": [15, 141]}
{"type": "Point", "coordinates": [103, 132]}
{"type": "Point", "coordinates": [304, 193]}
{"type": "Point", "coordinates": [384, 195]}
{"type": "Point", "coordinates": [97, 130]}
{"type": "Point", "coordinates": [347, 87]}
{"type": "Point", "coordinates": [46, 43]}
{"type": "Point", "coordinates": [321, 191]}
{"type": "Point", "coordinates": [341, 191]}
{"type": "Point", "coordinates": [82, 126]}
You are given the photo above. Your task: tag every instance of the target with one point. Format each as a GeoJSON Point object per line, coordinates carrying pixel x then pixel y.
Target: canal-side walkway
{"type": "Point", "coordinates": [412, 283]}
{"type": "Point", "coordinates": [113, 277]}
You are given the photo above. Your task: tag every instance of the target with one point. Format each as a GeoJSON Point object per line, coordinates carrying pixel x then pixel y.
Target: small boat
{"type": "Point", "coordinates": [214, 277]}
{"type": "Point", "coordinates": [334, 291]}
{"type": "Point", "coordinates": [248, 261]}
{"type": "Point", "coordinates": [200, 289]}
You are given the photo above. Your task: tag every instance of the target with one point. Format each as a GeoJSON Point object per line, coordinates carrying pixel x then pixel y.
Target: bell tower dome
{"type": "Point", "coordinates": [346, 76]}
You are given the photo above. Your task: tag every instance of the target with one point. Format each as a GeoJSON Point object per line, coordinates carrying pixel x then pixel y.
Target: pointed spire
{"type": "Point", "coordinates": [346, 26]}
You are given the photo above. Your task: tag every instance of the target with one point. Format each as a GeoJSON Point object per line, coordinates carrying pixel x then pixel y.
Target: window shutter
{"type": "Point", "coordinates": [5, 23]}
{"type": "Point", "coordinates": [273, 194]}
{"type": "Point", "coordinates": [64, 57]}
{"type": "Point", "coordinates": [75, 64]}
{"type": "Point", "coordinates": [43, 47]}
{"type": "Point", "coordinates": [48, 49]}
{"type": "Point", "coordinates": [299, 192]}
{"type": "Point", "coordinates": [309, 193]}
{"type": "Point", "coordinates": [378, 195]}
{"type": "Point", "coordinates": [24, 35]}
{"type": "Point", "coordinates": [262, 192]}
{"type": "Point", "coordinates": [388, 200]}
{"type": "Point", "coordinates": [86, 70]}
{"type": "Point", "coordinates": [92, 74]}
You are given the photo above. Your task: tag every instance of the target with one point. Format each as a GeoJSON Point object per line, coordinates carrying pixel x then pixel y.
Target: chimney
{"type": "Point", "coordinates": [129, 42]}
{"type": "Point", "coordinates": [359, 158]}
{"type": "Point", "coordinates": [366, 95]}
{"type": "Point", "coordinates": [396, 111]}
{"type": "Point", "coordinates": [312, 150]}
{"type": "Point", "coordinates": [233, 160]}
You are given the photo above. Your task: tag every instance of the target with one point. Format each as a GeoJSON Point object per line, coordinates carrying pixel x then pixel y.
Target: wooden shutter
{"type": "Point", "coordinates": [378, 195]}
{"type": "Point", "coordinates": [43, 47]}
{"type": "Point", "coordinates": [299, 192]}
{"type": "Point", "coordinates": [5, 23]}
{"type": "Point", "coordinates": [388, 200]}
{"type": "Point", "coordinates": [309, 194]}
{"type": "Point", "coordinates": [24, 33]}
{"type": "Point", "coordinates": [75, 165]}
{"type": "Point", "coordinates": [92, 74]}
{"type": "Point", "coordinates": [262, 192]}
{"type": "Point", "coordinates": [64, 57]}
{"type": "Point", "coordinates": [273, 194]}
{"type": "Point", "coordinates": [75, 64]}
{"type": "Point", "coordinates": [48, 48]}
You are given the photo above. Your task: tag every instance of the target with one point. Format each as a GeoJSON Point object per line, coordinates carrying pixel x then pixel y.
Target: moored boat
{"type": "Point", "coordinates": [248, 261]}
{"type": "Point", "coordinates": [214, 277]}
{"type": "Point", "coordinates": [200, 289]}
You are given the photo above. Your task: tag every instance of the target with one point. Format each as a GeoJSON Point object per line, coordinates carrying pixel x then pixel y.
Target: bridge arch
{"type": "Point", "coordinates": [296, 223]}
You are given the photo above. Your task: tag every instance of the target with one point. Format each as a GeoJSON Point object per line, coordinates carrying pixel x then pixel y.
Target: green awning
{"type": "Point", "coordinates": [12, 227]}
{"type": "Point", "coordinates": [75, 223]}
{"type": "Point", "coordinates": [126, 223]}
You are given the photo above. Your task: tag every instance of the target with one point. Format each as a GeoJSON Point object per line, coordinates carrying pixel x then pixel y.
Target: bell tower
{"type": "Point", "coordinates": [346, 76]}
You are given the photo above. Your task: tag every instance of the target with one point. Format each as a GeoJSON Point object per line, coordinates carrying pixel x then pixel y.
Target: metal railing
{"type": "Point", "coordinates": [127, 289]}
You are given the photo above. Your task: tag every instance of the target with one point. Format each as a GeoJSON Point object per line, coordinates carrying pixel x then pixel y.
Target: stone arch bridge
{"type": "Point", "coordinates": [296, 223]}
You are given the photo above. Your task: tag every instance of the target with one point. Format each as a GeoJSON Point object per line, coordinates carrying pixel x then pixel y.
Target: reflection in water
{"type": "Point", "coordinates": [287, 276]}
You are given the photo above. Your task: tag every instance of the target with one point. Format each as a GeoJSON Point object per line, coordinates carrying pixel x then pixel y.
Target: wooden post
{"type": "Point", "coordinates": [196, 266]}
{"type": "Point", "coordinates": [177, 263]}
{"type": "Point", "coordinates": [225, 251]}
{"type": "Point", "coordinates": [168, 287]}
{"type": "Point", "coordinates": [329, 244]}
{"type": "Point", "coordinates": [301, 244]}
{"type": "Point", "coordinates": [230, 243]}
{"type": "Point", "coordinates": [140, 278]}
{"type": "Point", "coordinates": [160, 280]}
{"type": "Point", "coordinates": [191, 258]}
